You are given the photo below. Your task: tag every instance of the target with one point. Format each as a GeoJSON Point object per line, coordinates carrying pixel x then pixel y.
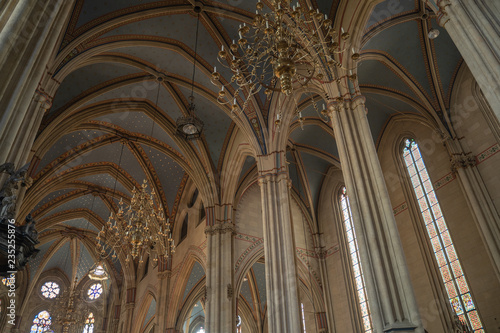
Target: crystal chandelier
{"type": "Point", "coordinates": [287, 49]}
{"type": "Point", "coordinates": [136, 229]}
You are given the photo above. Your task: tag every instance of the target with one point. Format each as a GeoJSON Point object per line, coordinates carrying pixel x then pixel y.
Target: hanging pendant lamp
{"type": "Point", "coordinates": [190, 127]}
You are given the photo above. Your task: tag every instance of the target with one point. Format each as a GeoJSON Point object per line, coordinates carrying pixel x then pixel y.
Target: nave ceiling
{"type": "Point", "coordinates": [110, 119]}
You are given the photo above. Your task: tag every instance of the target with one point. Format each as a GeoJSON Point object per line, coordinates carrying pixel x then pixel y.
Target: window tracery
{"type": "Point", "coordinates": [41, 323]}
{"type": "Point", "coordinates": [356, 263]}
{"type": "Point", "coordinates": [50, 290]}
{"type": "Point", "coordinates": [89, 324]}
{"type": "Point", "coordinates": [444, 250]}
{"type": "Point", "coordinates": [95, 291]}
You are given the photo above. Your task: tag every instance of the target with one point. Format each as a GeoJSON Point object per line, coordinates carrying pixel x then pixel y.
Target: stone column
{"type": "Point", "coordinates": [220, 309]}
{"type": "Point", "coordinates": [129, 311]}
{"type": "Point", "coordinates": [390, 293]}
{"type": "Point", "coordinates": [27, 40]}
{"type": "Point", "coordinates": [474, 26]}
{"type": "Point", "coordinates": [164, 274]}
{"type": "Point", "coordinates": [483, 208]}
{"type": "Point", "coordinates": [326, 318]}
{"type": "Point", "coordinates": [283, 309]}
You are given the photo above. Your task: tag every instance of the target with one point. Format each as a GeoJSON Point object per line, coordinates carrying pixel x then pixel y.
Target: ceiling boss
{"type": "Point", "coordinates": [288, 48]}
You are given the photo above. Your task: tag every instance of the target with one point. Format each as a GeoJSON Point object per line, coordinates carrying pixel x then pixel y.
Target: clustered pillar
{"type": "Point", "coordinates": [390, 293]}
{"type": "Point", "coordinates": [474, 26]}
{"type": "Point", "coordinates": [28, 38]}
{"type": "Point", "coordinates": [220, 303]}
{"type": "Point", "coordinates": [279, 248]}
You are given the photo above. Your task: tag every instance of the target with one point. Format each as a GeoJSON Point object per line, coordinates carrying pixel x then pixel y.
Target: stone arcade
{"type": "Point", "coordinates": [374, 211]}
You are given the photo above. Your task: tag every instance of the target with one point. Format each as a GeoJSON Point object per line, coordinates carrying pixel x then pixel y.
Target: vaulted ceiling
{"type": "Point", "coordinates": [111, 124]}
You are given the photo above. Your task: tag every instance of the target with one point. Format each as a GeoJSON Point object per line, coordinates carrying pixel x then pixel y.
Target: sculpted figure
{"type": "Point", "coordinates": [9, 191]}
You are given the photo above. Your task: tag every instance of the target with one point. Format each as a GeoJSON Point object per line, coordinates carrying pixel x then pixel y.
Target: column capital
{"type": "Point", "coordinates": [442, 14]}
{"type": "Point", "coordinates": [220, 228]}
{"type": "Point", "coordinates": [164, 274]}
{"type": "Point", "coordinates": [44, 99]}
{"type": "Point", "coordinates": [462, 161]}
{"type": "Point", "coordinates": [129, 306]}
{"type": "Point", "coordinates": [340, 103]}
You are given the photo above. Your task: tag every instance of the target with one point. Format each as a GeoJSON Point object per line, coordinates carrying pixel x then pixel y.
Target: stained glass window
{"type": "Point", "coordinates": [356, 264]}
{"type": "Point", "coordinates": [238, 324]}
{"type": "Point", "coordinates": [201, 330]}
{"type": "Point", "coordinates": [94, 291]}
{"type": "Point", "coordinates": [303, 317]}
{"type": "Point", "coordinates": [6, 281]}
{"type": "Point", "coordinates": [41, 323]}
{"type": "Point", "coordinates": [89, 324]}
{"type": "Point", "coordinates": [50, 290]}
{"type": "Point", "coordinates": [442, 244]}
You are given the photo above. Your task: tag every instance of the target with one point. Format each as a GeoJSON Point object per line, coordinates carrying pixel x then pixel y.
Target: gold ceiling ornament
{"type": "Point", "coordinates": [288, 48]}
{"type": "Point", "coordinates": [137, 229]}
{"type": "Point", "coordinates": [98, 273]}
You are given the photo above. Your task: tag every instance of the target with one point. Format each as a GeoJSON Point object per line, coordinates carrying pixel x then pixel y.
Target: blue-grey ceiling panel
{"type": "Point", "coordinates": [87, 77]}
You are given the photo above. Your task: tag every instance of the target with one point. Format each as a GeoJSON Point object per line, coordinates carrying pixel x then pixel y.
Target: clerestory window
{"type": "Point", "coordinates": [444, 251]}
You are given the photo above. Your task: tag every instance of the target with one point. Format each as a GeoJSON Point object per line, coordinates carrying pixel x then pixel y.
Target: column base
{"type": "Point", "coordinates": [400, 327]}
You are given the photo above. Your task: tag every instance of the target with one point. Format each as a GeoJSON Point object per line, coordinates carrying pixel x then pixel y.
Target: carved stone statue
{"type": "Point", "coordinates": [10, 189]}
{"type": "Point", "coordinates": [8, 208]}
{"type": "Point", "coordinates": [29, 228]}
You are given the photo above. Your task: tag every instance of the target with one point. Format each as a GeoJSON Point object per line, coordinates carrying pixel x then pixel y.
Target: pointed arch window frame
{"type": "Point", "coordinates": [42, 323]}
{"type": "Point", "coordinates": [360, 303]}
{"type": "Point", "coordinates": [442, 247]}
{"type": "Point", "coordinates": [89, 323]}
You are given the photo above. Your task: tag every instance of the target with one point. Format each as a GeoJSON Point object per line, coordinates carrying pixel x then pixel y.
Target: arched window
{"type": "Point", "coordinates": [356, 264]}
{"type": "Point", "coordinates": [184, 229]}
{"type": "Point", "coordinates": [41, 323]}
{"type": "Point", "coordinates": [202, 213]}
{"type": "Point", "coordinates": [94, 291]}
{"type": "Point", "coordinates": [193, 198]}
{"type": "Point", "coordinates": [50, 290]}
{"type": "Point", "coordinates": [303, 317]}
{"type": "Point", "coordinates": [238, 324]}
{"type": "Point", "coordinates": [442, 244]}
{"type": "Point", "coordinates": [89, 324]}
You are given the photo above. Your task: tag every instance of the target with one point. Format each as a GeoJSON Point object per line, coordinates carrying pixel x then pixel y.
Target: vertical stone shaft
{"type": "Point", "coordinates": [164, 275]}
{"type": "Point", "coordinates": [27, 40]}
{"type": "Point", "coordinates": [390, 294]}
{"type": "Point", "coordinates": [483, 208]}
{"type": "Point", "coordinates": [321, 253]}
{"type": "Point", "coordinates": [220, 304]}
{"type": "Point", "coordinates": [281, 275]}
{"type": "Point", "coordinates": [474, 26]}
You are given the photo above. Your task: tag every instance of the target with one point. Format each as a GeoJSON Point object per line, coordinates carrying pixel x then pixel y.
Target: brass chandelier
{"type": "Point", "coordinates": [288, 48]}
{"type": "Point", "coordinates": [136, 229]}
{"type": "Point", "coordinates": [68, 311]}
